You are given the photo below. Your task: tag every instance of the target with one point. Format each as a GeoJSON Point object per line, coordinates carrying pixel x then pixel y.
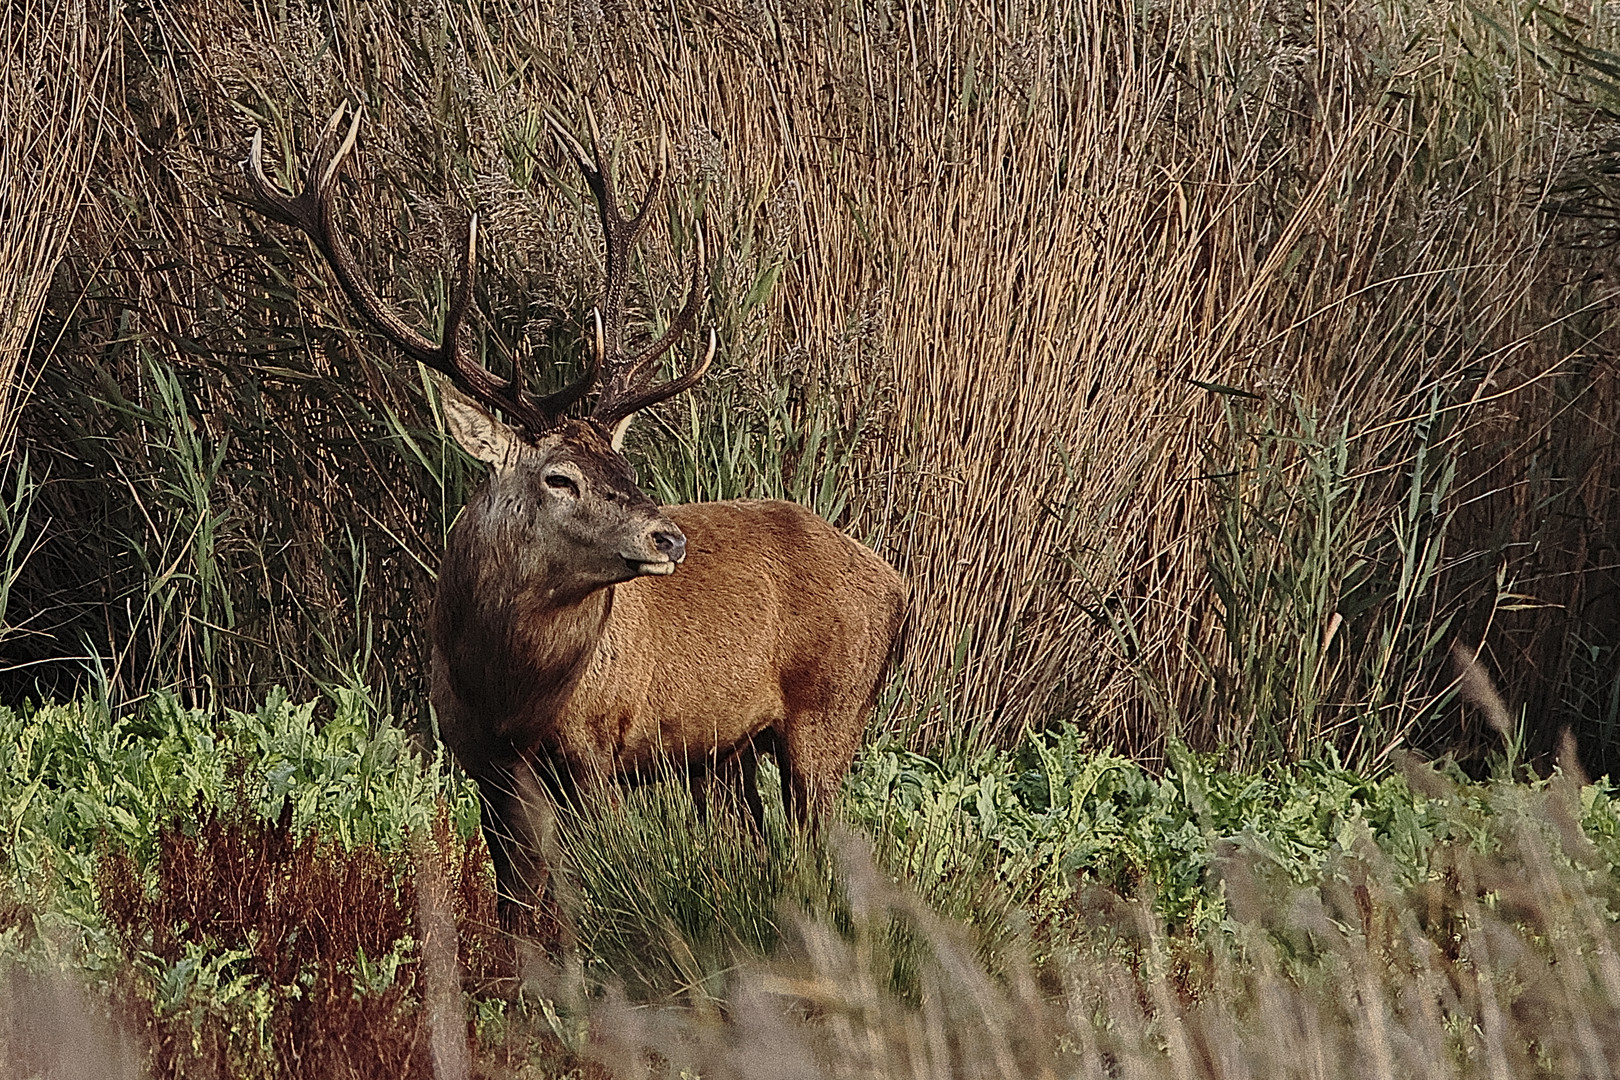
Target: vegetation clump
{"type": "Point", "coordinates": [1053, 899]}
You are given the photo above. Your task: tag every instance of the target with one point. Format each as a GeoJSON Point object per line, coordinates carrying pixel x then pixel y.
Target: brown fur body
{"type": "Point", "coordinates": [775, 625]}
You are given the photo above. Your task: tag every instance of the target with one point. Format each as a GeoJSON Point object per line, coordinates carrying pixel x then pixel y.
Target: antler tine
{"type": "Point", "coordinates": [461, 297]}
{"type": "Point", "coordinates": [619, 233]}
{"type": "Point", "coordinates": [617, 418]}
{"type": "Point", "coordinates": [622, 394]}
{"type": "Point", "coordinates": [600, 165]}
{"type": "Point", "coordinates": [334, 155]}
{"type": "Point", "coordinates": [560, 401]}
{"type": "Point", "coordinates": [626, 379]}
{"type": "Point", "coordinates": [272, 202]}
{"type": "Point", "coordinates": [655, 186]}
{"type": "Point", "coordinates": [313, 212]}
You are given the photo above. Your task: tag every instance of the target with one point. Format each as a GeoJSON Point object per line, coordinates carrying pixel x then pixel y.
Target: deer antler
{"type": "Point", "coordinates": [312, 212]}
{"type": "Point", "coordinates": [625, 389]}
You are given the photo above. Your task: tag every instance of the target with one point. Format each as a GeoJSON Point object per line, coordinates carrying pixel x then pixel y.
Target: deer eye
{"type": "Point", "coordinates": [563, 483]}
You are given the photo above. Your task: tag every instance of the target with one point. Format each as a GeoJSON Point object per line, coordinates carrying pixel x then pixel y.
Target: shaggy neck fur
{"type": "Point", "coordinates": [517, 629]}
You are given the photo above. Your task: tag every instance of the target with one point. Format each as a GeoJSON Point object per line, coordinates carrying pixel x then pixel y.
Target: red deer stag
{"type": "Point", "coordinates": [565, 642]}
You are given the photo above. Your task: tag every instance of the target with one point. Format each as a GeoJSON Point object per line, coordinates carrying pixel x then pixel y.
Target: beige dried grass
{"type": "Point", "coordinates": [52, 110]}
{"type": "Point", "coordinates": [1043, 231]}
{"type": "Point", "coordinates": [1504, 965]}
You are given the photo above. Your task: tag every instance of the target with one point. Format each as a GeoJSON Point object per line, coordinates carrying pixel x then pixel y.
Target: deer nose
{"type": "Point", "coordinates": [671, 544]}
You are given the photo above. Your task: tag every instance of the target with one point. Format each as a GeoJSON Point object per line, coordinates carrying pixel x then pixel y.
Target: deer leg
{"type": "Point", "coordinates": [498, 798]}
{"type": "Point", "coordinates": [700, 779]}
{"type": "Point", "coordinates": [733, 777]}
{"type": "Point", "coordinates": [819, 749]}
{"type": "Point", "coordinates": [792, 784]}
{"type": "Point", "coordinates": [748, 783]}
{"type": "Point", "coordinates": [740, 774]}
{"type": "Point", "coordinates": [802, 796]}
{"type": "Point", "coordinates": [517, 815]}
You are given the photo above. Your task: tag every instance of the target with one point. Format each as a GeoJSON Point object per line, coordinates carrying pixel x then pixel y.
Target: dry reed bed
{"type": "Point", "coordinates": [51, 92]}
{"type": "Point", "coordinates": [1023, 248]}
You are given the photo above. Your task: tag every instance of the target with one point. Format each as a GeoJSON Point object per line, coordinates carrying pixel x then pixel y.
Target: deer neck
{"type": "Point", "coordinates": [516, 631]}
{"type": "Point", "coordinates": [552, 642]}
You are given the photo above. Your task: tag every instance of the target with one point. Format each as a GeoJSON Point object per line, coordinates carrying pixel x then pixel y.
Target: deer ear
{"type": "Point", "coordinates": [476, 428]}
{"type": "Point", "coordinates": [616, 438]}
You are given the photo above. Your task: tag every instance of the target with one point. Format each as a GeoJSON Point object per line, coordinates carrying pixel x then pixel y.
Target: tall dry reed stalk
{"type": "Point", "coordinates": [53, 108]}
{"type": "Point", "coordinates": [1504, 965]}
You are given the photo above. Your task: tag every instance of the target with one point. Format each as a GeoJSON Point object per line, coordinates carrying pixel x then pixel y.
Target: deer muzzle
{"type": "Point", "coordinates": [665, 548]}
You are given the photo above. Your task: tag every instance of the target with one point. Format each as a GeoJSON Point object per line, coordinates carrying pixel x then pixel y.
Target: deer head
{"type": "Point", "coordinates": [561, 493]}
{"type": "Point", "coordinates": [563, 508]}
